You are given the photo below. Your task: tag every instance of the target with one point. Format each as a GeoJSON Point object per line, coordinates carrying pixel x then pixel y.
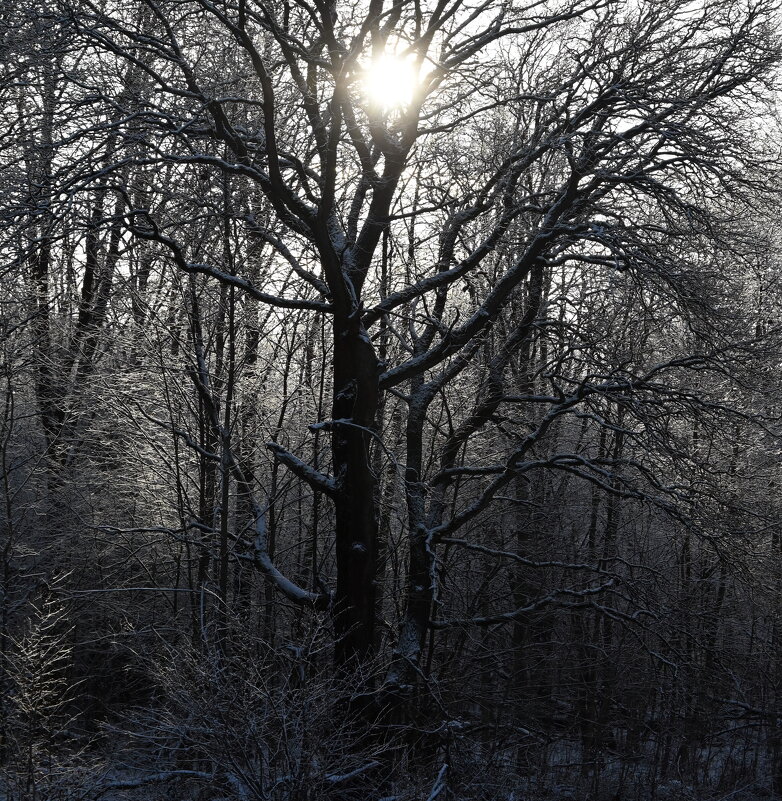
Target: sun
{"type": "Point", "coordinates": [390, 82]}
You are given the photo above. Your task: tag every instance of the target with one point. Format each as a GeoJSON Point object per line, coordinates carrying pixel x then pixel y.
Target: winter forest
{"type": "Point", "coordinates": [390, 400]}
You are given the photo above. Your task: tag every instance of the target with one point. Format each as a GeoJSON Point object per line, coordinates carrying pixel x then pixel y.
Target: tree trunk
{"type": "Point", "coordinates": [354, 407]}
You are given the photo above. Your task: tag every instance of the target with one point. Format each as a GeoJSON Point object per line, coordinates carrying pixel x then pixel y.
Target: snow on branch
{"type": "Point", "coordinates": [440, 783]}
{"type": "Point", "coordinates": [150, 231]}
{"type": "Point", "coordinates": [338, 778]}
{"type": "Point", "coordinates": [266, 566]}
{"type": "Point", "coordinates": [304, 471]}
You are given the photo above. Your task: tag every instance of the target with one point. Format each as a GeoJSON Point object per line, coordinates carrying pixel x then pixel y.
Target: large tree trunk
{"type": "Point", "coordinates": [354, 410]}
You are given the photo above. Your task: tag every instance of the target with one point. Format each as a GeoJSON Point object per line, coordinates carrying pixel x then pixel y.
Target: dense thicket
{"type": "Point", "coordinates": [361, 443]}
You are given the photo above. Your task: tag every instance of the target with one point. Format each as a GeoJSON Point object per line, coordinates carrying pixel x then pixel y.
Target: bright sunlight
{"type": "Point", "coordinates": [390, 82]}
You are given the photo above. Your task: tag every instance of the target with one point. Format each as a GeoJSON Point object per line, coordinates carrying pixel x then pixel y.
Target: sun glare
{"type": "Point", "coordinates": [390, 82]}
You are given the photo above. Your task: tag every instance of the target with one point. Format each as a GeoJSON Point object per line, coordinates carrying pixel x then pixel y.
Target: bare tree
{"type": "Point", "coordinates": [500, 285]}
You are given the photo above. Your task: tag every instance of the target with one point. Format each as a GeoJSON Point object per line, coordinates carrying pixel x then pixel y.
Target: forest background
{"type": "Point", "coordinates": [389, 400]}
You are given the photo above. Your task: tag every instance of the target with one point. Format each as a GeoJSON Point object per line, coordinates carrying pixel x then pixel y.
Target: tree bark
{"type": "Point", "coordinates": [354, 408]}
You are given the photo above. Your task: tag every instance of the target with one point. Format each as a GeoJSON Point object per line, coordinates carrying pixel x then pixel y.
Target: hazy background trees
{"type": "Point", "coordinates": [400, 442]}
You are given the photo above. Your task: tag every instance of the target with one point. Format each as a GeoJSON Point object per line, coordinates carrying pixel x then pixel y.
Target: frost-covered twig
{"type": "Point", "coordinates": [337, 778]}
{"type": "Point", "coordinates": [439, 783]}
